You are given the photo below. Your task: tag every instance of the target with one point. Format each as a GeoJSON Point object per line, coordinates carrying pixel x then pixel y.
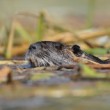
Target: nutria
{"type": "Point", "coordinates": [48, 53]}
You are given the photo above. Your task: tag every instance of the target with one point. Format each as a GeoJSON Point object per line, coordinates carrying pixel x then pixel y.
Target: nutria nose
{"type": "Point", "coordinates": [32, 47]}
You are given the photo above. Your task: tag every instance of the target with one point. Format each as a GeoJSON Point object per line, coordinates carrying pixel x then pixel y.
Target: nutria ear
{"type": "Point", "coordinates": [77, 51]}
{"type": "Point", "coordinates": [75, 47]}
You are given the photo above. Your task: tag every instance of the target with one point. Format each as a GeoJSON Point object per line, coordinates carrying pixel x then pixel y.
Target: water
{"type": "Point", "coordinates": [65, 103]}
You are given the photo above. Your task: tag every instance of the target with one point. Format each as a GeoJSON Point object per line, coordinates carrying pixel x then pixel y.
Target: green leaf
{"type": "Point", "coordinates": [39, 76]}
{"type": "Point", "coordinates": [23, 32]}
{"type": "Point", "coordinates": [98, 51]}
{"type": "Point", "coordinates": [40, 27]}
{"type": "Point", "coordinates": [89, 72]}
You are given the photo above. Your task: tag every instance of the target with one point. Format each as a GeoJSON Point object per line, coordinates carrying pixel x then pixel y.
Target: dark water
{"type": "Point", "coordinates": [65, 103]}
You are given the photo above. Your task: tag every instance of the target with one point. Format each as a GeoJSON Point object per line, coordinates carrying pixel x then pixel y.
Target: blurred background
{"type": "Point", "coordinates": [85, 22]}
{"type": "Point", "coordinates": [85, 86]}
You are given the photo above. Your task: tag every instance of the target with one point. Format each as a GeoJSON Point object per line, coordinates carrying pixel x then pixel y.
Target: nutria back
{"type": "Point", "coordinates": [48, 53]}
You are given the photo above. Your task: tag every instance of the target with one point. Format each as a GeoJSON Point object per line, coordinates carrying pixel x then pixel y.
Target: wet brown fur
{"type": "Point", "coordinates": [48, 53]}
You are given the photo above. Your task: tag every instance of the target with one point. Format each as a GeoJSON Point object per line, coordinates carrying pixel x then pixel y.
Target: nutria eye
{"type": "Point", "coordinates": [32, 47]}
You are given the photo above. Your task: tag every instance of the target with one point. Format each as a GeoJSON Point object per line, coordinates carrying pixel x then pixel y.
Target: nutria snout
{"type": "Point", "coordinates": [48, 53]}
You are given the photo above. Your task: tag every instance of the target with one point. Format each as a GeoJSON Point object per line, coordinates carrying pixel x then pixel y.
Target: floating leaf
{"type": "Point", "coordinates": [89, 72]}
{"type": "Point", "coordinates": [39, 76]}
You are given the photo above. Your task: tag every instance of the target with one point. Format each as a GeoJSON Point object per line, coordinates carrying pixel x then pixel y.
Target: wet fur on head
{"type": "Point", "coordinates": [47, 53]}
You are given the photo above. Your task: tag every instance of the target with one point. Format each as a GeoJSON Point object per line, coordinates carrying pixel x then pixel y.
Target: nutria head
{"type": "Point", "coordinates": [48, 53]}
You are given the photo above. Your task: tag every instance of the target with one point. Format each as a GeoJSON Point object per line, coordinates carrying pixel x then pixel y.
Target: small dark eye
{"type": "Point", "coordinates": [32, 47]}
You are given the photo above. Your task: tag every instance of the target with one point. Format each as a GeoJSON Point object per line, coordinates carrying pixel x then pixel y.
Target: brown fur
{"type": "Point", "coordinates": [47, 53]}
